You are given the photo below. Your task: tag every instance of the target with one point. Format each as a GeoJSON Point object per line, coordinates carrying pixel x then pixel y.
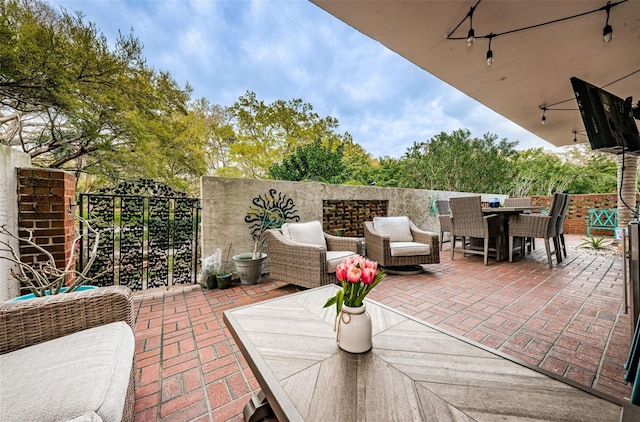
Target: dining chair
{"type": "Point", "coordinates": [444, 217]}
{"type": "Point", "coordinates": [518, 202]}
{"type": "Point", "coordinates": [467, 221]}
{"type": "Point", "coordinates": [541, 226]}
{"type": "Point", "coordinates": [561, 219]}
{"type": "Point", "coordinates": [525, 201]}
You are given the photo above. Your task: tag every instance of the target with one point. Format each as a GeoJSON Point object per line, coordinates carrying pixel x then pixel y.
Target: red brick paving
{"type": "Point", "coordinates": [568, 320]}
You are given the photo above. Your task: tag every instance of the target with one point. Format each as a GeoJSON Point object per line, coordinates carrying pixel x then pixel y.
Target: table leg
{"type": "Point", "coordinates": [257, 408]}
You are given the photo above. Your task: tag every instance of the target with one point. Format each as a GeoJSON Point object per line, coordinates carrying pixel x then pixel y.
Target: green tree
{"type": "Point", "coordinates": [71, 102]}
{"type": "Point", "coordinates": [458, 162]}
{"type": "Point", "coordinates": [265, 133]}
{"type": "Point", "coordinates": [312, 162]}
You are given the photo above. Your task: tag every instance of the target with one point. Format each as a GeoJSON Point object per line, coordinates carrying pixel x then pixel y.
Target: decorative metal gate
{"type": "Point", "coordinates": [148, 235]}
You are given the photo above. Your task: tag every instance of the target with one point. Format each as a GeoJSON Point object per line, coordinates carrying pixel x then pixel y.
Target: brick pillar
{"type": "Point", "coordinates": [44, 199]}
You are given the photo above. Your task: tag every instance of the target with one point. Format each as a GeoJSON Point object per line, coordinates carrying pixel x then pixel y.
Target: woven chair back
{"type": "Point", "coordinates": [443, 207]}
{"type": "Point", "coordinates": [556, 209]}
{"type": "Point", "coordinates": [466, 212]}
{"type": "Point", "coordinates": [518, 202]}
{"type": "Point", "coordinates": [563, 213]}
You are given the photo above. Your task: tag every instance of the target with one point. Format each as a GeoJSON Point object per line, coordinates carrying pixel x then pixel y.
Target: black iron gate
{"type": "Point", "coordinates": [148, 235]}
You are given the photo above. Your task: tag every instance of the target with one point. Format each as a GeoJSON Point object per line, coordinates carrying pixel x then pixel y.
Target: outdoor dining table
{"type": "Point", "coordinates": [503, 214]}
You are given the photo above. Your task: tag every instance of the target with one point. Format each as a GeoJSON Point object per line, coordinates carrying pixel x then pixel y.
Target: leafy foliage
{"type": "Point", "coordinates": [312, 162]}
{"type": "Point", "coordinates": [594, 243]}
{"type": "Point", "coordinates": [71, 102]}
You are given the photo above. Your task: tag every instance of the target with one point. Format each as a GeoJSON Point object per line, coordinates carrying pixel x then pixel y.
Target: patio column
{"type": "Point", "coordinates": [627, 188]}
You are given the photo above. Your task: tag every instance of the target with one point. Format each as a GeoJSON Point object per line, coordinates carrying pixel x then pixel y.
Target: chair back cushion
{"type": "Point", "coordinates": [397, 228]}
{"type": "Point", "coordinates": [309, 233]}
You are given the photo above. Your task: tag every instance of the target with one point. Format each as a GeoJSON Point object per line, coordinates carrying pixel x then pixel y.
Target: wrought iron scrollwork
{"type": "Point", "coordinates": [150, 237]}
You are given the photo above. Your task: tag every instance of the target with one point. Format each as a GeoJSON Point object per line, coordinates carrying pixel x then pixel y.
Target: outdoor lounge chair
{"type": "Point", "coordinates": [303, 255]}
{"type": "Point", "coordinates": [397, 242]}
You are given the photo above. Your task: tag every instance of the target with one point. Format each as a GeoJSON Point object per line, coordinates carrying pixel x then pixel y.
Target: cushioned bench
{"type": "Point", "coordinates": [602, 219]}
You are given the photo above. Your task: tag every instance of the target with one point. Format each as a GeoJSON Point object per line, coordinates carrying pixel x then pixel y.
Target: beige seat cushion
{"type": "Point", "coordinates": [397, 228]}
{"type": "Point", "coordinates": [82, 376]}
{"type": "Point", "coordinates": [336, 257]}
{"type": "Point", "coordinates": [309, 233]}
{"type": "Point", "coordinates": [409, 249]}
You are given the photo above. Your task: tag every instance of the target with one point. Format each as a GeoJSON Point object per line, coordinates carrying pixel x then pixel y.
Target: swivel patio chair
{"type": "Point", "coordinates": [541, 226]}
{"type": "Point", "coordinates": [303, 255]}
{"type": "Point", "coordinates": [397, 242]}
{"type": "Point", "coordinates": [467, 221]}
{"type": "Point", "coordinates": [444, 217]}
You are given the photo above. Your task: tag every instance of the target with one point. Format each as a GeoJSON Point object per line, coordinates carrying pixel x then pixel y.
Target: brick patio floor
{"type": "Point", "coordinates": [569, 320]}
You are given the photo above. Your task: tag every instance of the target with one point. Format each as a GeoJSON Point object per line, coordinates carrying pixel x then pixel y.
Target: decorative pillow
{"type": "Point", "coordinates": [397, 228]}
{"type": "Point", "coordinates": [309, 232]}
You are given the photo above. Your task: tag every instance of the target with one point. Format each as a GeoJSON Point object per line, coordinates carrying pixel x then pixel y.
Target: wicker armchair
{"type": "Point", "coordinates": [31, 322]}
{"type": "Point", "coordinates": [380, 245]}
{"type": "Point", "coordinates": [444, 217]}
{"type": "Point", "coordinates": [467, 221]}
{"type": "Point", "coordinates": [541, 226]}
{"type": "Point", "coordinates": [306, 264]}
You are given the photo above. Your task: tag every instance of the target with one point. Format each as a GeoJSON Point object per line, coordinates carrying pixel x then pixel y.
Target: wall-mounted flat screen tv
{"type": "Point", "coordinates": [608, 121]}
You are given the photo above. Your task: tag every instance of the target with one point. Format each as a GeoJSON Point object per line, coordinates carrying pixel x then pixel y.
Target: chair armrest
{"type": "Point", "coordinates": [338, 243]}
{"type": "Point", "coordinates": [28, 322]}
{"type": "Point", "coordinates": [492, 222]}
{"type": "Point", "coordinates": [378, 245]}
{"type": "Point", "coordinates": [288, 258]}
{"type": "Point", "coordinates": [428, 238]}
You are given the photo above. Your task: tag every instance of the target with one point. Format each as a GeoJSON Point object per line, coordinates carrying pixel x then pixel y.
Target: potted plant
{"type": "Point", "coordinates": [249, 265]}
{"type": "Point", "coordinates": [223, 278]}
{"type": "Point", "coordinates": [44, 278]}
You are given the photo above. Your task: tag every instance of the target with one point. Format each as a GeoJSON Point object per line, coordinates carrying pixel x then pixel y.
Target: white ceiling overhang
{"type": "Point", "coordinates": [531, 68]}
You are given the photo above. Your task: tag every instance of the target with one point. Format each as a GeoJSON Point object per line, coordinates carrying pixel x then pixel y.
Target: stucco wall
{"type": "Point", "coordinates": [10, 160]}
{"type": "Point", "coordinates": [225, 202]}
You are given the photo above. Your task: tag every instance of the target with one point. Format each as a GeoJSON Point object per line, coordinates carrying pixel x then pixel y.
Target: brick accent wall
{"type": "Point", "coordinates": [576, 219]}
{"type": "Point", "coordinates": [350, 215]}
{"type": "Point", "coordinates": [45, 198]}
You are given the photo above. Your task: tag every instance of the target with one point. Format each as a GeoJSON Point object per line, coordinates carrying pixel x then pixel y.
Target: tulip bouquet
{"type": "Point", "coordinates": [358, 276]}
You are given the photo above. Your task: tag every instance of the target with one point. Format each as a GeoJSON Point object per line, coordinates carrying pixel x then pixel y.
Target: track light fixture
{"type": "Point", "coordinates": [489, 52]}
{"type": "Point", "coordinates": [607, 31]}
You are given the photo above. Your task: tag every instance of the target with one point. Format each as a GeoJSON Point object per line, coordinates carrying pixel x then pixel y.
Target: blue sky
{"type": "Point", "coordinates": [286, 49]}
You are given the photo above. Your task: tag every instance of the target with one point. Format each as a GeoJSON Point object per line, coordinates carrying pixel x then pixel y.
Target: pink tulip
{"type": "Point", "coordinates": [368, 275]}
{"type": "Point", "coordinates": [354, 274]}
{"type": "Point", "coordinates": [341, 271]}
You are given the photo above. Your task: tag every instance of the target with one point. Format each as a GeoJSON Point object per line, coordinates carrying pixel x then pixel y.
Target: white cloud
{"type": "Point", "coordinates": [293, 49]}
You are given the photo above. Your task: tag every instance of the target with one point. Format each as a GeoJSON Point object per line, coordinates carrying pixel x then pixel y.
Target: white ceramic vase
{"type": "Point", "coordinates": [354, 329]}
